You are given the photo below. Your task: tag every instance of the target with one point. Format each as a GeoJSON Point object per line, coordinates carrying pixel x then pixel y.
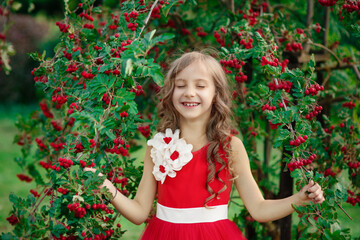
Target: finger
{"type": "Point", "coordinates": [319, 199]}
{"type": "Point", "coordinates": [315, 193]}
{"type": "Point", "coordinates": [314, 187]}
{"type": "Point", "coordinates": [306, 188]}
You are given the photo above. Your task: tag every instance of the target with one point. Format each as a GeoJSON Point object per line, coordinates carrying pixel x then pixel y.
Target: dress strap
{"type": "Point", "coordinates": [192, 215]}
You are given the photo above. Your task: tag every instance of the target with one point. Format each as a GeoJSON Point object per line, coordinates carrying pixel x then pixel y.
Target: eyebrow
{"type": "Point", "coordinates": [196, 80]}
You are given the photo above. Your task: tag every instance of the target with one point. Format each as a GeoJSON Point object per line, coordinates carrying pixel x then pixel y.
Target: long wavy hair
{"type": "Point", "coordinates": [219, 125]}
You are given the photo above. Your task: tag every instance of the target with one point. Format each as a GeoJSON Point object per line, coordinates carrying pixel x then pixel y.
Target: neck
{"type": "Point", "coordinates": [193, 132]}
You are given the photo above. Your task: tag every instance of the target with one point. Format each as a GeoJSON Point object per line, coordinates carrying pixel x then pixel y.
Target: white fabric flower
{"type": "Point", "coordinates": [169, 154]}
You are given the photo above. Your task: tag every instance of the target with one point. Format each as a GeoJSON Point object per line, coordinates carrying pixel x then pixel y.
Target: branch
{"type": "Point", "coordinates": [356, 71]}
{"type": "Point", "coordinates": [342, 66]}
{"type": "Point", "coordinates": [327, 49]}
{"type": "Point", "coordinates": [344, 211]}
{"type": "Point", "coordinates": [147, 18]}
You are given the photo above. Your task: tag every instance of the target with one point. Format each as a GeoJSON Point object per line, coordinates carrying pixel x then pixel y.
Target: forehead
{"type": "Point", "coordinates": [195, 71]}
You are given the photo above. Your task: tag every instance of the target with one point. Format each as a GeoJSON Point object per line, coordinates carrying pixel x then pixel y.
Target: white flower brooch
{"type": "Point", "coordinates": [169, 154]}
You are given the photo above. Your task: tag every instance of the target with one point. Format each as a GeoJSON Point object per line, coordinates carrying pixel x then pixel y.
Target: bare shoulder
{"type": "Point", "coordinates": [238, 152]}
{"type": "Point", "coordinates": [236, 144]}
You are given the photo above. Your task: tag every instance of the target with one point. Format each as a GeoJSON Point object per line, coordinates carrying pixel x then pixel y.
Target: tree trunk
{"type": "Point", "coordinates": [286, 189]}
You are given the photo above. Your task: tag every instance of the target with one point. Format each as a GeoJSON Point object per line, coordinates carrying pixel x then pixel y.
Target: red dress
{"type": "Point", "coordinates": [180, 210]}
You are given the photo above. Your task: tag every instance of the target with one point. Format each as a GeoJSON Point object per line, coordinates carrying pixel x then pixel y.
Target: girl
{"type": "Point", "coordinates": [193, 159]}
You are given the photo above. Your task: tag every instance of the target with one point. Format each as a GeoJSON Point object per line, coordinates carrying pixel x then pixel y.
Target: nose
{"type": "Point", "coordinates": [190, 91]}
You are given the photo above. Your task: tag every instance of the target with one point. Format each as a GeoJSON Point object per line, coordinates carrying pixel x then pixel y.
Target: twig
{"type": "Point", "coordinates": [356, 71]}
{"type": "Point", "coordinates": [344, 211]}
{"type": "Point", "coordinates": [327, 49]}
{"type": "Point", "coordinates": [147, 18]}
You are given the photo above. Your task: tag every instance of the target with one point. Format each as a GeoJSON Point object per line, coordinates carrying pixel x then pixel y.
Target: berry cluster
{"type": "Point", "coordinates": [65, 163]}
{"type": "Point", "coordinates": [241, 77]}
{"type": "Point", "coordinates": [301, 162]}
{"type": "Point", "coordinates": [132, 26]}
{"type": "Point", "coordinates": [352, 6]}
{"type": "Point", "coordinates": [78, 148]}
{"type": "Point", "coordinates": [281, 85]}
{"type": "Point", "coordinates": [118, 150]}
{"type": "Point", "coordinates": [251, 17]}
{"type": "Point", "coordinates": [314, 113]}
{"type": "Point", "coordinates": [132, 15]}
{"type": "Point", "coordinates": [13, 220]}
{"type": "Point", "coordinates": [106, 99]}
{"type": "Point", "coordinates": [45, 165]}
{"type": "Point", "coordinates": [313, 89]}
{"type": "Point", "coordinates": [272, 62]}
{"type": "Point", "coordinates": [231, 64]}
{"type": "Point", "coordinates": [247, 44]}
{"type": "Point", "coordinates": [67, 55]}
{"type": "Point", "coordinates": [329, 130]}
{"type": "Point", "coordinates": [57, 146]}
{"type": "Point", "coordinates": [274, 126]}
{"type": "Point", "coordinates": [63, 27]}
{"type": "Point", "coordinates": [41, 78]}
{"type": "Point", "coordinates": [185, 31]}
{"type": "Point", "coordinates": [72, 107]}
{"type": "Point", "coordinates": [218, 38]}
{"type": "Point", "coordinates": [87, 75]}
{"type": "Point", "coordinates": [349, 104]}
{"type": "Point", "coordinates": [115, 22]}
{"type": "Point", "coordinates": [85, 15]}
{"type": "Point", "coordinates": [293, 47]}
{"type": "Point", "coordinates": [268, 107]}
{"type": "Point", "coordinates": [24, 177]}
{"type": "Point", "coordinates": [35, 193]}
{"type": "Point", "coordinates": [353, 165]}
{"type": "Point", "coordinates": [59, 99]}
{"type": "Point", "coordinates": [200, 32]}
{"type": "Point", "coordinates": [92, 143]}
{"type": "Point", "coordinates": [298, 141]}
{"type": "Point", "coordinates": [56, 126]}
{"type": "Point", "coordinates": [88, 26]}
{"type": "Point", "coordinates": [41, 145]}
{"type": "Point", "coordinates": [317, 28]}
{"type": "Point", "coordinates": [156, 12]}
{"type": "Point", "coordinates": [72, 68]}
{"type": "Point", "coordinates": [83, 164]}
{"type": "Point", "coordinates": [63, 191]}
{"type": "Point", "coordinates": [352, 199]}
{"type": "Point", "coordinates": [102, 207]}
{"type": "Point", "coordinates": [124, 114]}
{"type": "Point", "coordinates": [327, 3]}
{"type": "Point", "coordinates": [145, 131]}
{"type": "Point", "coordinates": [138, 90]}
{"type": "Point", "coordinates": [80, 212]}
{"type": "Point", "coordinates": [329, 172]}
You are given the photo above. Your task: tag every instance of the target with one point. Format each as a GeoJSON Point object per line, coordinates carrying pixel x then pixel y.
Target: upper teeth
{"type": "Point", "coordinates": [190, 104]}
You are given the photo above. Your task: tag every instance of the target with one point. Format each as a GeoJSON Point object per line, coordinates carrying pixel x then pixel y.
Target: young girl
{"type": "Point", "coordinates": [191, 163]}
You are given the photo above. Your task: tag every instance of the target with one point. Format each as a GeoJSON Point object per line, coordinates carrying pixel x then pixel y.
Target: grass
{"type": "Point", "coordinates": [10, 183]}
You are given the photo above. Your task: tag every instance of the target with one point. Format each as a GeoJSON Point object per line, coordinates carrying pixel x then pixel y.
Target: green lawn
{"type": "Point", "coordinates": [10, 183]}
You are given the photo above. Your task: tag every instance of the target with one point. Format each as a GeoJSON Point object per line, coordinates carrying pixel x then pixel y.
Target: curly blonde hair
{"type": "Point", "coordinates": [219, 125]}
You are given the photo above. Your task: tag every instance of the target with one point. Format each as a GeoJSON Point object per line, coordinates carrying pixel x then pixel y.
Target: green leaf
{"type": "Point", "coordinates": [148, 36]}
{"type": "Point", "coordinates": [16, 6]}
{"type": "Point", "coordinates": [129, 67]}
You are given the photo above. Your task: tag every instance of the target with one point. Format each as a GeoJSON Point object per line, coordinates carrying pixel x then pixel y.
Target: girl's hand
{"type": "Point", "coordinates": [311, 192]}
{"type": "Point", "coordinates": [108, 184]}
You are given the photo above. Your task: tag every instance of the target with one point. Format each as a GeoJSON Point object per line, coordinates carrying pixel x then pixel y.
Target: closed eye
{"type": "Point", "coordinates": [201, 86]}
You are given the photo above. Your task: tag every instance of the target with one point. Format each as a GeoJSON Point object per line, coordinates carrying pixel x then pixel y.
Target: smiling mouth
{"type": "Point", "coordinates": [190, 104]}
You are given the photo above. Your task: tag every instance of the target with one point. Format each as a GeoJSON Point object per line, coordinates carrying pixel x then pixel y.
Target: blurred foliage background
{"type": "Point", "coordinates": [33, 29]}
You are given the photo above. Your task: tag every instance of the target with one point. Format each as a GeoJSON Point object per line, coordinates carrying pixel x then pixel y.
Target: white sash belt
{"type": "Point", "coordinates": [192, 215]}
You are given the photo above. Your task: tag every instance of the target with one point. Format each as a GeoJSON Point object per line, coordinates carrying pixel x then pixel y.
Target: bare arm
{"type": "Point", "coordinates": [260, 209]}
{"type": "Point", "coordinates": [136, 210]}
